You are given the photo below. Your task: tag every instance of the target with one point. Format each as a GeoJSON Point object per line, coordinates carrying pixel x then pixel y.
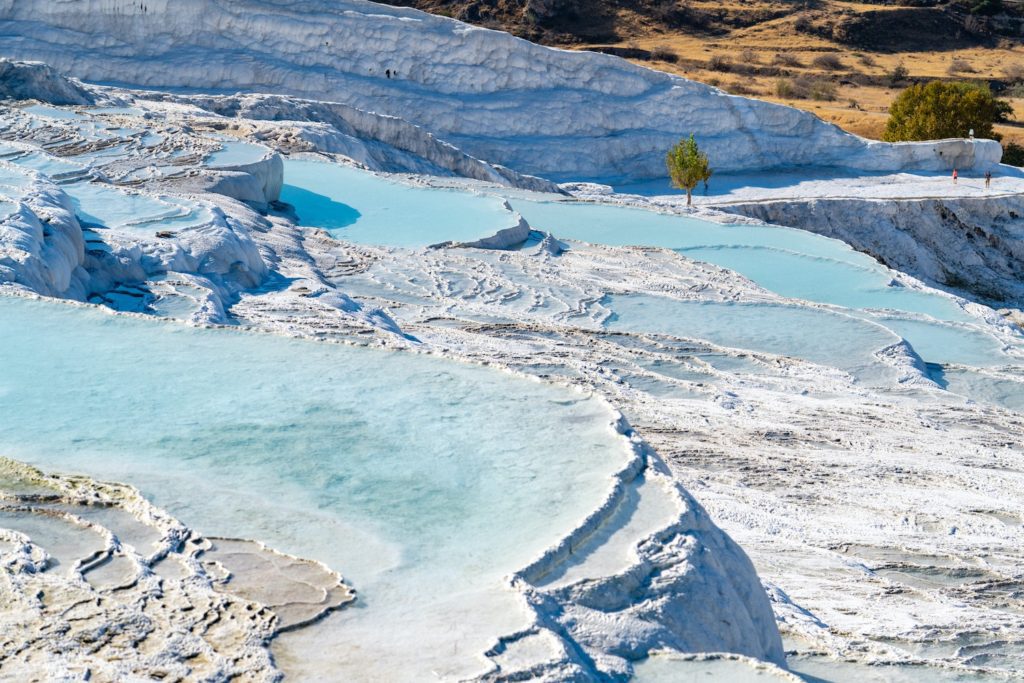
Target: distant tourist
{"type": "Point", "coordinates": [387, 72]}
{"type": "Point", "coordinates": [955, 176]}
{"type": "Point", "coordinates": [988, 179]}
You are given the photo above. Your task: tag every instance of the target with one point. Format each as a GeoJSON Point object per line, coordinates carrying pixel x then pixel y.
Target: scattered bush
{"type": "Point", "coordinates": [748, 56]}
{"type": "Point", "coordinates": [960, 66]}
{"type": "Point", "coordinates": [720, 63]}
{"type": "Point", "coordinates": [898, 75]}
{"type": "Point", "coordinates": [822, 90]}
{"type": "Point", "coordinates": [867, 60]}
{"type": "Point", "coordinates": [829, 62]}
{"type": "Point", "coordinates": [787, 59]}
{"type": "Point", "coordinates": [740, 88]}
{"type": "Point", "coordinates": [803, 88]}
{"type": "Point", "coordinates": [1016, 90]}
{"type": "Point", "coordinates": [664, 53]}
{"type": "Point", "coordinates": [940, 110]}
{"type": "Point", "coordinates": [1013, 154]}
{"type": "Point", "coordinates": [785, 89]}
{"type": "Point", "coordinates": [1014, 73]}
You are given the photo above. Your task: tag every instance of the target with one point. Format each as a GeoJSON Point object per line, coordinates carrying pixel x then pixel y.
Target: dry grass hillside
{"type": "Point", "coordinates": [844, 61]}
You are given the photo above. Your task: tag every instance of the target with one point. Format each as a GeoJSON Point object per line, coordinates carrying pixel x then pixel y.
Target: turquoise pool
{"type": "Point", "coordinates": [362, 207]}
{"type": "Point", "coordinates": [411, 475]}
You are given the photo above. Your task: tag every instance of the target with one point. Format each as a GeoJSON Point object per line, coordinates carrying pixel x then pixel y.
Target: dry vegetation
{"type": "Point", "coordinates": [788, 60]}
{"type": "Point", "coordinates": [844, 61]}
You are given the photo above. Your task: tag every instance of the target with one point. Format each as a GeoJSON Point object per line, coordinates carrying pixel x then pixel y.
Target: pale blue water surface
{"type": "Point", "coordinates": [797, 264]}
{"type": "Point", "coordinates": [424, 481]}
{"type": "Point", "coordinates": [107, 206]}
{"type": "Point", "coordinates": [790, 262]}
{"type": "Point", "coordinates": [362, 207]}
{"type": "Point", "coordinates": [236, 153]}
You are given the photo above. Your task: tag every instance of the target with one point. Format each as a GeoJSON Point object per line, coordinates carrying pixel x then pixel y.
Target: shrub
{"type": "Point", "coordinates": [748, 56]}
{"type": "Point", "coordinates": [960, 66]}
{"type": "Point", "coordinates": [785, 89]}
{"type": "Point", "coordinates": [1014, 73]}
{"type": "Point", "coordinates": [664, 53]}
{"type": "Point", "coordinates": [829, 62]}
{"type": "Point", "coordinates": [898, 74]}
{"type": "Point", "coordinates": [720, 63]}
{"type": "Point", "coordinates": [740, 88]}
{"type": "Point", "coordinates": [1013, 154]}
{"type": "Point", "coordinates": [803, 88]}
{"type": "Point", "coordinates": [787, 59]}
{"type": "Point", "coordinates": [687, 166]}
{"type": "Point", "coordinates": [944, 110]}
{"type": "Point", "coordinates": [867, 60]}
{"type": "Point", "coordinates": [822, 90]}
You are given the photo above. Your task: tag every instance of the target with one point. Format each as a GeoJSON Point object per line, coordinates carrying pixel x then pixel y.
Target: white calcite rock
{"type": "Point", "coordinates": [257, 183]}
{"type": "Point", "coordinates": [206, 608]}
{"type": "Point", "coordinates": [33, 80]}
{"type": "Point", "coordinates": [41, 243]}
{"type": "Point", "coordinates": [535, 109]}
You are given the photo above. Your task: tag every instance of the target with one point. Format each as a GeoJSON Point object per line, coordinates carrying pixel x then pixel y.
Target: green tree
{"type": "Point", "coordinates": [687, 166]}
{"type": "Point", "coordinates": [938, 110]}
{"type": "Point", "coordinates": [1013, 154]}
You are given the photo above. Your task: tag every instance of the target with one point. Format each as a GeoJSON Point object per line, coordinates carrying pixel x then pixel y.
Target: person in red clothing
{"type": "Point", "coordinates": [955, 176]}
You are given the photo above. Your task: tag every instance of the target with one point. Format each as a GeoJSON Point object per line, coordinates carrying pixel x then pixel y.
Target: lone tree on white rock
{"type": "Point", "coordinates": [687, 166]}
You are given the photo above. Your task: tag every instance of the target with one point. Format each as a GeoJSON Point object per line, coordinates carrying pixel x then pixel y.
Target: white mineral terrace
{"type": "Point", "coordinates": [704, 445]}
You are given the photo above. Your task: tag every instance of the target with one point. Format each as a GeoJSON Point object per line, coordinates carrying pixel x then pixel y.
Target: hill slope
{"type": "Point", "coordinates": [540, 111]}
{"type": "Point", "coordinates": [748, 47]}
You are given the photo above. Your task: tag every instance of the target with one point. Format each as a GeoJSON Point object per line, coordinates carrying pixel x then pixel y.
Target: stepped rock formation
{"type": "Point", "coordinates": [537, 110]}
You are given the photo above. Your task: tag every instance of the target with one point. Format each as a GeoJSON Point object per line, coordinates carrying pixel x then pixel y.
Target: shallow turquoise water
{"type": "Point", "coordinates": [53, 112]}
{"type": "Point", "coordinates": [793, 263]}
{"type": "Point", "coordinates": [361, 207]}
{"type": "Point", "coordinates": [46, 164]}
{"type": "Point", "coordinates": [825, 670]}
{"type": "Point", "coordinates": [946, 344]}
{"type": "Point", "coordinates": [104, 205]}
{"type": "Point", "coordinates": [236, 153]}
{"type": "Point", "coordinates": [673, 669]}
{"type": "Point", "coordinates": [423, 481]}
{"type": "Point", "coordinates": [797, 264]}
{"type": "Point", "coordinates": [13, 181]}
{"type": "Point", "coordinates": [838, 340]}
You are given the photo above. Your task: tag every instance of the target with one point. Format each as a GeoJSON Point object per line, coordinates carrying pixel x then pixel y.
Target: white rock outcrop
{"type": "Point", "coordinates": [257, 183]}
{"type": "Point", "coordinates": [379, 142]}
{"type": "Point", "coordinates": [537, 110]}
{"type": "Point", "coordinates": [41, 244]}
{"type": "Point", "coordinates": [32, 80]}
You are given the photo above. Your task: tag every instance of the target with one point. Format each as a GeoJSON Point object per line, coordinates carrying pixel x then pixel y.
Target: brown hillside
{"type": "Point", "coordinates": [835, 58]}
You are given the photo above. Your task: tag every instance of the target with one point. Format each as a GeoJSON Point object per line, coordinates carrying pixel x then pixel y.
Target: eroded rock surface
{"type": "Point", "coordinates": [98, 583]}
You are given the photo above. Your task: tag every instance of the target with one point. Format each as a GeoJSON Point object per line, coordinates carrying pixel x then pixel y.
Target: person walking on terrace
{"type": "Point", "coordinates": [955, 176]}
